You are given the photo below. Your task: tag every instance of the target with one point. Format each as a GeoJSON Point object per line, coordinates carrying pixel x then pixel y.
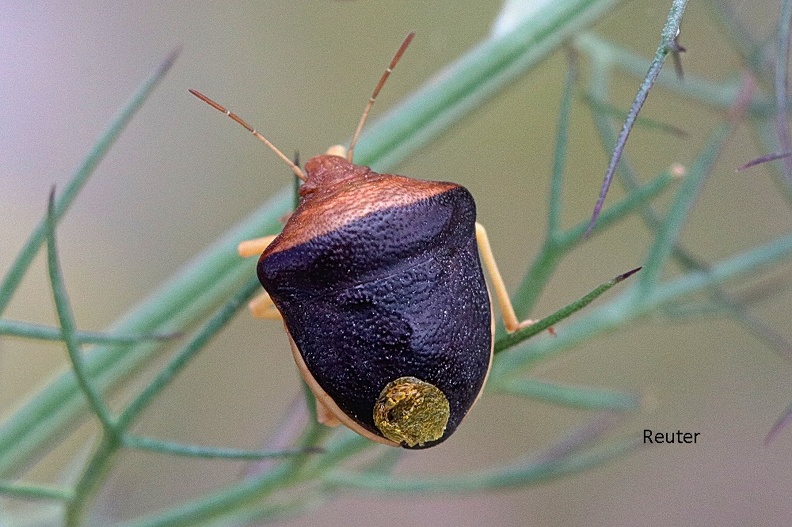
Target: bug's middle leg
{"type": "Point", "coordinates": [507, 310]}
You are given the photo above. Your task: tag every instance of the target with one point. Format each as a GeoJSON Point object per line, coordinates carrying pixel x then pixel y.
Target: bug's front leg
{"type": "Point", "coordinates": [249, 248]}
{"type": "Point", "coordinates": [261, 306]}
{"type": "Point", "coordinates": [507, 310]}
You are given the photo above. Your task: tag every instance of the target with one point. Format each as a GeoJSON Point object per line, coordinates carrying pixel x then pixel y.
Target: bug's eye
{"type": "Point", "coordinates": [411, 411]}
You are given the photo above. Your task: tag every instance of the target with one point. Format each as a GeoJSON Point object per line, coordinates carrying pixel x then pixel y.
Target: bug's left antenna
{"type": "Point", "coordinates": [296, 169]}
{"type": "Point", "coordinates": [380, 84]}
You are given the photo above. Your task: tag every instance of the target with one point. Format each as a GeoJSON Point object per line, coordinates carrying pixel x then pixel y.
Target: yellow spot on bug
{"type": "Point", "coordinates": [411, 411]}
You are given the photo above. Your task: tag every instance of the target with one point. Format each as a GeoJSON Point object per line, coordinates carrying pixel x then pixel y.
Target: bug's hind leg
{"type": "Point", "coordinates": [507, 310]}
{"type": "Point", "coordinates": [324, 415]}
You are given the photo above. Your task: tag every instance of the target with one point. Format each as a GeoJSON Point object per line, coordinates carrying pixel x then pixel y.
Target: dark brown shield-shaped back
{"type": "Point", "coordinates": [377, 277]}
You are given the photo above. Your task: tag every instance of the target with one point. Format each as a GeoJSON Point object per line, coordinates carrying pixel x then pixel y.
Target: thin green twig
{"type": "Point", "coordinates": [232, 498]}
{"type": "Point", "coordinates": [781, 81]}
{"type": "Point", "coordinates": [516, 474]}
{"type": "Point", "coordinates": [89, 482]}
{"type": "Point", "coordinates": [682, 255]}
{"type": "Point", "coordinates": [29, 330]}
{"type": "Point", "coordinates": [553, 249]}
{"type": "Point", "coordinates": [668, 234]}
{"type": "Point", "coordinates": [630, 305]}
{"type": "Point", "coordinates": [110, 443]}
{"type": "Point", "coordinates": [68, 328]}
{"type": "Point", "coordinates": [181, 449]}
{"type": "Point", "coordinates": [719, 94]}
{"type": "Point", "coordinates": [647, 123]}
{"type": "Point", "coordinates": [567, 395]}
{"type": "Point", "coordinates": [35, 492]}
{"type": "Point", "coordinates": [667, 45]}
{"type": "Point", "coordinates": [473, 79]}
{"type": "Point", "coordinates": [512, 339]}
{"type": "Point", "coordinates": [554, 207]}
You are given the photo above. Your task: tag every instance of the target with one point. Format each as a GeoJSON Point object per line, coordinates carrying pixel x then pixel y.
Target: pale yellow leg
{"type": "Point", "coordinates": [255, 247]}
{"type": "Point", "coordinates": [336, 150]}
{"type": "Point", "coordinates": [324, 415]}
{"type": "Point", "coordinates": [262, 307]}
{"type": "Point", "coordinates": [507, 310]}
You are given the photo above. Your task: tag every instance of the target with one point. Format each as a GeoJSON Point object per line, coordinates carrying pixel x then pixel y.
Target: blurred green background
{"type": "Point", "coordinates": [301, 72]}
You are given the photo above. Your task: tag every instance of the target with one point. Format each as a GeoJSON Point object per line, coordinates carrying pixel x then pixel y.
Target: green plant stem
{"type": "Point", "coordinates": [574, 396]}
{"type": "Point", "coordinates": [89, 481]}
{"type": "Point", "coordinates": [188, 297]}
{"type": "Point", "coordinates": [472, 80]}
{"type": "Point", "coordinates": [28, 330]}
{"type": "Point", "coordinates": [741, 41]}
{"type": "Point", "coordinates": [537, 327]}
{"type": "Point", "coordinates": [667, 45]}
{"type": "Point", "coordinates": [512, 476]}
{"type": "Point", "coordinates": [631, 305]}
{"type": "Point", "coordinates": [35, 492]}
{"type": "Point", "coordinates": [683, 256]}
{"type": "Point", "coordinates": [245, 493]}
{"type": "Point", "coordinates": [555, 201]}
{"type": "Point", "coordinates": [114, 438]}
{"type": "Point", "coordinates": [555, 247]}
{"type": "Point", "coordinates": [718, 94]}
{"type": "Point", "coordinates": [668, 234]}
{"type": "Point", "coordinates": [180, 449]}
{"type": "Point", "coordinates": [222, 502]}
{"type": "Point", "coordinates": [264, 513]}
{"type": "Point", "coordinates": [647, 123]}
{"type": "Point", "coordinates": [66, 319]}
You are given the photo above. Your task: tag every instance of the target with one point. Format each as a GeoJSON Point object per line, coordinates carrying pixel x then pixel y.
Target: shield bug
{"type": "Point", "coordinates": [379, 283]}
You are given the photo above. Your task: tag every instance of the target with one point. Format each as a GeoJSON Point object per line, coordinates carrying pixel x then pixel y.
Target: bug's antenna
{"type": "Point", "coordinates": [393, 62]}
{"type": "Point", "coordinates": [296, 169]}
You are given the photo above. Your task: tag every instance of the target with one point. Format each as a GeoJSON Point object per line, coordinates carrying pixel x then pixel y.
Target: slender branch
{"type": "Point", "coordinates": [520, 335]}
{"type": "Point", "coordinates": [67, 326]}
{"type": "Point", "coordinates": [35, 492]}
{"type": "Point", "coordinates": [29, 330]}
{"type": "Point", "coordinates": [555, 195]}
{"type": "Point", "coordinates": [181, 449]}
{"type": "Point", "coordinates": [631, 305]}
{"type": "Point", "coordinates": [514, 475]}
{"type": "Point", "coordinates": [564, 394]}
{"type": "Point", "coordinates": [781, 88]}
{"type": "Point", "coordinates": [667, 45]}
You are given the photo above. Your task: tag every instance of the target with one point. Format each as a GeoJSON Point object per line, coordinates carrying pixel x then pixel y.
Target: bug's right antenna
{"type": "Point", "coordinates": [393, 62]}
{"type": "Point", "coordinates": [296, 169]}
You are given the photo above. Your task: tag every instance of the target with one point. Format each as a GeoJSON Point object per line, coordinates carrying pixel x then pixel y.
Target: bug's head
{"type": "Point", "coordinates": [412, 412]}
{"type": "Point", "coordinates": [330, 169]}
